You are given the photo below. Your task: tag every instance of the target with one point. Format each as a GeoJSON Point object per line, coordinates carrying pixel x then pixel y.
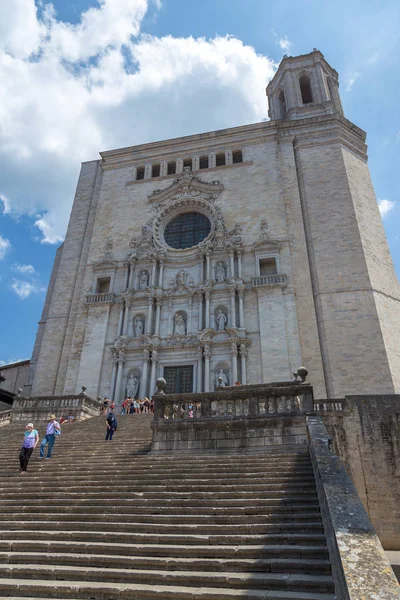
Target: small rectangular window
{"type": "Point", "coordinates": [171, 168]}
{"type": "Point", "coordinates": [140, 173]}
{"type": "Point", "coordinates": [220, 160]}
{"type": "Point", "coordinates": [204, 162]}
{"type": "Point", "coordinates": [237, 156]}
{"type": "Point", "coordinates": [187, 163]}
{"type": "Point", "coordinates": [103, 285]}
{"type": "Point", "coordinates": [267, 266]}
{"type": "Point", "coordinates": [155, 172]}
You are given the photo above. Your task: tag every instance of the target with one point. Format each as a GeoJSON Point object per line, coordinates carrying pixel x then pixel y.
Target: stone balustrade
{"type": "Point", "coordinates": [242, 418]}
{"type": "Point", "coordinates": [5, 417]}
{"type": "Point", "coordinates": [323, 406]}
{"type": "Point", "coordinates": [100, 298]}
{"type": "Point", "coordinates": [39, 408]}
{"type": "Point", "coordinates": [269, 280]}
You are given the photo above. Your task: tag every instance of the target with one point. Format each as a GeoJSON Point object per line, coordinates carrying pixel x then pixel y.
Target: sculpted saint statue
{"type": "Point", "coordinates": [224, 378]}
{"type": "Point", "coordinates": [132, 386]}
{"type": "Point", "coordinates": [180, 325]}
{"type": "Point", "coordinates": [221, 320]}
{"type": "Point", "coordinates": [180, 278]}
{"type": "Point", "coordinates": [138, 327]}
{"type": "Point", "coordinates": [143, 280]}
{"type": "Point", "coordinates": [220, 272]}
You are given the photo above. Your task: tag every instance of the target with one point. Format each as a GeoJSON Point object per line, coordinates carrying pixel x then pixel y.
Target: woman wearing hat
{"type": "Point", "coordinates": [50, 436]}
{"type": "Point", "coordinates": [30, 441]}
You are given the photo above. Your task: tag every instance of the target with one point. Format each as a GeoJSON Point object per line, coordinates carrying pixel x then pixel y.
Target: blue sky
{"type": "Point", "coordinates": [83, 76]}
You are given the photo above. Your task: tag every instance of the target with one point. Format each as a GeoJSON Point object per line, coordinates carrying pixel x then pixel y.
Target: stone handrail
{"type": "Point", "coordinates": [269, 280]}
{"type": "Point", "coordinates": [323, 406]}
{"type": "Point", "coordinates": [80, 406]}
{"type": "Point", "coordinates": [5, 417]}
{"type": "Point", "coordinates": [236, 402]}
{"type": "Point", "coordinates": [99, 298]}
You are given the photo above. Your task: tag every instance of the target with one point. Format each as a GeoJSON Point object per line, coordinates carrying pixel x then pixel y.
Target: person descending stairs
{"type": "Point", "coordinates": [110, 520]}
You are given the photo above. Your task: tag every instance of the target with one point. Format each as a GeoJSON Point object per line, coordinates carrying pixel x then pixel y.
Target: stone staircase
{"type": "Point", "coordinates": [108, 520]}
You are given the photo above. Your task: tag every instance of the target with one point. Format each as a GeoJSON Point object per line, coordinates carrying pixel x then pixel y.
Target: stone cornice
{"type": "Point", "coordinates": [213, 141]}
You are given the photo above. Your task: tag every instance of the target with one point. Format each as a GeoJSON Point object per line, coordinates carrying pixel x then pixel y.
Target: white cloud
{"type": "Point", "coordinates": [351, 81]}
{"type": "Point", "coordinates": [11, 361]}
{"type": "Point", "coordinates": [25, 269]}
{"type": "Point", "coordinates": [385, 206]}
{"type": "Point", "coordinates": [98, 85]}
{"type": "Point", "coordinates": [4, 247]}
{"type": "Point", "coordinates": [24, 289]}
{"type": "Point", "coordinates": [285, 44]}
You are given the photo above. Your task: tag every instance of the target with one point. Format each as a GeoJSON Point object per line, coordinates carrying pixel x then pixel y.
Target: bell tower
{"type": "Point", "coordinates": [303, 86]}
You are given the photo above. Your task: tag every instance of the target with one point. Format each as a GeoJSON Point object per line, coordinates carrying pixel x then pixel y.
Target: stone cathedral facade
{"type": "Point", "coordinates": [241, 254]}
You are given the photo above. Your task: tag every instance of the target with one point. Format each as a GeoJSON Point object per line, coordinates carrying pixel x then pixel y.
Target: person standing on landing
{"type": "Point", "coordinates": [111, 423]}
{"type": "Point", "coordinates": [50, 436]}
{"type": "Point", "coordinates": [30, 441]}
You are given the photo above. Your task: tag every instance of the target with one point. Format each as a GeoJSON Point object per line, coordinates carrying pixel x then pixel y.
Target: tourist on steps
{"type": "Point", "coordinates": [111, 423]}
{"type": "Point", "coordinates": [49, 438]}
{"type": "Point", "coordinates": [30, 441]}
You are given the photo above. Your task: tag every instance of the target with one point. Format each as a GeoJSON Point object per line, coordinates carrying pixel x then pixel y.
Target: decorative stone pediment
{"type": "Point", "coordinates": [188, 185]}
{"type": "Point", "coordinates": [105, 264]}
{"type": "Point", "coordinates": [267, 246]}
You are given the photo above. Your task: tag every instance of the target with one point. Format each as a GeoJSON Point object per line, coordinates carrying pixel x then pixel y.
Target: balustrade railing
{"type": "Point", "coordinates": [39, 407]}
{"type": "Point", "coordinates": [100, 298]}
{"type": "Point", "coordinates": [323, 406]}
{"type": "Point", "coordinates": [5, 417]}
{"type": "Point", "coordinates": [269, 280]}
{"type": "Point", "coordinates": [262, 401]}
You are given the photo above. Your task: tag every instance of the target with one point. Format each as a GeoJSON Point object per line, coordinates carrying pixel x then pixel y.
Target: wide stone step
{"type": "Point", "coordinates": [123, 537]}
{"type": "Point", "coordinates": [167, 519]}
{"type": "Point", "coordinates": [77, 590]}
{"type": "Point", "coordinates": [282, 581]}
{"type": "Point", "coordinates": [277, 552]}
{"type": "Point", "coordinates": [140, 527]}
{"type": "Point", "coordinates": [119, 506]}
{"type": "Point", "coordinates": [169, 563]}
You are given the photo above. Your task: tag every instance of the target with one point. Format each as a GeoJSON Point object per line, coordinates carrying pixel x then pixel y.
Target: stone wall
{"type": "Point", "coordinates": [367, 439]}
{"type": "Point", "coordinates": [16, 375]}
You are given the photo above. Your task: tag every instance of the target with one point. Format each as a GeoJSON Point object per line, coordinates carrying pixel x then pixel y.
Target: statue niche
{"type": "Point", "coordinates": [143, 279]}
{"type": "Point", "coordinates": [180, 323]}
{"type": "Point", "coordinates": [132, 385]}
{"type": "Point", "coordinates": [221, 379]}
{"type": "Point", "coordinates": [221, 319]}
{"type": "Point", "coordinates": [220, 271]}
{"type": "Point", "coordinates": [138, 326]}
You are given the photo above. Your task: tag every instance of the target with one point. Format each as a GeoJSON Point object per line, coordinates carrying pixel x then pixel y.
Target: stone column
{"type": "Point", "coordinates": [243, 361]}
{"type": "Point", "coordinates": [127, 266]}
{"type": "Point", "coordinates": [149, 316]}
{"type": "Point", "coordinates": [232, 263]}
{"type": "Point", "coordinates": [241, 307]}
{"type": "Point", "coordinates": [126, 317]}
{"type": "Point", "coordinates": [179, 165]}
{"type": "Point", "coordinates": [143, 383]}
{"type": "Point", "coordinates": [118, 385]}
{"type": "Point", "coordinates": [121, 318]}
{"type": "Point", "coordinates": [202, 267]}
{"type": "Point", "coordinates": [148, 171]}
{"type": "Point", "coordinates": [208, 269]}
{"type": "Point", "coordinates": [207, 355]}
{"type": "Point", "coordinates": [211, 160]}
{"type": "Point", "coordinates": [158, 314]}
{"type": "Point", "coordinates": [196, 163]}
{"type": "Point", "coordinates": [189, 327]}
{"type": "Point", "coordinates": [232, 292]}
{"type": "Point", "coordinates": [163, 168]}
{"type": "Point", "coordinates": [113, 376]}
{"type": "Point", "coordinates": [161, 274]}
{"type": "Point", "coordinates": [200, 311]}
{"type": "Point", "coordinates": [131, 274]}
{"type": "Point", "coordinates": [154, 356]}
{"type": "Point", "coordinates": [170, 325]}
{"type": "Point", "coordinates": [239, 261]}
{"type": "Point", "coordinates": [199, 355]}
{"type": "Point", "coordinates": [234, 362]}
{"type": "Point", "coordinates": [228, 157]}
{"type": "Point", "coordinates": [208, 294]}
{"type": "Point", "coordinates": [153, 272]}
